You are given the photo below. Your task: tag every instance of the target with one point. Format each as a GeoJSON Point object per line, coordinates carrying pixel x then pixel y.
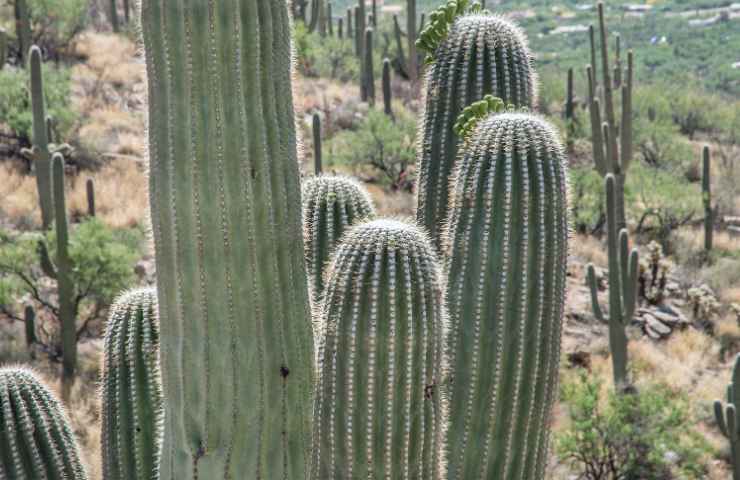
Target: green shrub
{"type": "Point", "coordinates": [56, 22]}
{"type": "Point", "coordinates": [327, 57]}
{"type": "Point", "coordinates": [380, 147]}
{"type": "Point", "coordinates": [588, 198]}
{"type": "Point", "coordinates": [629, 436]}
{"type": "Point", "coordinates": [15, 101]}
{"type": "Point", "coordinates": [102, 267]}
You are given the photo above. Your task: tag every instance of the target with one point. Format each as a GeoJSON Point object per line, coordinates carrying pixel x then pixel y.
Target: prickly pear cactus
{"type": "Point", "coordinates": [506, 246]}
{"type": "Point", "coordinates": [380, 408]}
{"type": "Point", "coordinates": [36, 441]}
{"type": "Point", "coordinates": [331, 204]}
{"type": "Point", "coordinates": [132, 389]}
{"type": "Point", "coordinates": [236, 336]}
{"type": "Point", "coordinates": [473, 54]}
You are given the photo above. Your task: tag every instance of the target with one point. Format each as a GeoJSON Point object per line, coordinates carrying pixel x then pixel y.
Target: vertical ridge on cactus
{"type": "Point", "coordinates": [236, 339]}
{"type": "Point", "coordinates": [380, 408]}
{"type": "Point", "coordinates": [506, 250]}
{"type": "Point", "coordinates": [496, 61]}
{"type": "Point", "coordinates": [331, 204]}
{"type": "Point", "coordinates": [36, 440]}
{"type": "Point", "coordinates": [131, 390]}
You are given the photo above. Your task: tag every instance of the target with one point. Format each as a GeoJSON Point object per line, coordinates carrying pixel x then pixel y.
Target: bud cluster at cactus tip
{"type": "Point", "coordinates": [439, 24]}
{"type": "Point", "coordinates": [473, 113]}
{"type": "Point", "coordinates": [36, 440]}
{"type": "Point", "coordinates": [506, 250]}
{"type": "Point", "coordinates": [132, 388]}
{"type": "Point", "coordinates": [380, 406]}
{"type": "Point", "coordinates": [331, 204]}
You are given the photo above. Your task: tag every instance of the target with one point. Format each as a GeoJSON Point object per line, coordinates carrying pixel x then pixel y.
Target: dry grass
{"type": "Point", "coordinates": [120, 195]}
{"type": "Point", "coordinates": [589, 250]}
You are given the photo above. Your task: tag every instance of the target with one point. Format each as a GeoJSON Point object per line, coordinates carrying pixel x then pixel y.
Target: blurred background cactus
{"type": "Point", "coordinates": [727, 420]}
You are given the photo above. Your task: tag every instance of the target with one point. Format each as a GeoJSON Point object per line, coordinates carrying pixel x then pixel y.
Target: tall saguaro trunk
{"type": "Point", "coordinates": [236, 340]}
{"type": "Point", "coordinates": [413, 66]}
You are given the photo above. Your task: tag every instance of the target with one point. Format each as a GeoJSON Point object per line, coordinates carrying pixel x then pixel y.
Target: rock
{"type": "Point", "coordinates": [671, 457]}
{"type": "Point", "coordinates": [652, 333]}
{"type": "Point", "coordinates": [653, 323]}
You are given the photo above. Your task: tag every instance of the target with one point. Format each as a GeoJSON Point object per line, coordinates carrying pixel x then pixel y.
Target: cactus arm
{"type": "Point", "coordinates": [47, 266]}
{"type": "Point", "coordinates": [412, 67]}
{"type": "Point", "coordinates": [399, 44]}
{"type": "Point", "coordinates": [90, 191]}
{"type": "Point", "coordinates": [29, 320]}
{"type": "Point", "coordinates": [607, 83]}
{"type": "Point", "coordinates": [316, 129]}
{"type": "Point", "coordinates": [719, 416]}
{"type": "Point", "coordinates": [594, 289]}
{"type": "Point", "coordinates": [597, 139]}
{"type": "Point", "coordinates": [592, 43]}
{"type": "Point", "coordinates": [625, 132]}
{"type": "Point", "coordinates": [631, 283]}
{"type": "Point", "coordinates": [369, 70]}
{"type": "Point", "coordinates": [64, 270]}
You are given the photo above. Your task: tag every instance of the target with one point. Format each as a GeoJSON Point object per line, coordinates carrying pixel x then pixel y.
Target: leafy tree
{"type": "Point", "coordinates": [380, 146]}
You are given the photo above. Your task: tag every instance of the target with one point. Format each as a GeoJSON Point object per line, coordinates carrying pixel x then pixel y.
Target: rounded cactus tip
{"type": "Point", "coordinates": [397, 232]}
{"type": "Point", "coordinates": [336, 185]}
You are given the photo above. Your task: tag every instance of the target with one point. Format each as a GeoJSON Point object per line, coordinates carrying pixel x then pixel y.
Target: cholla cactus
{"type": "Point", "coordinates": [132, 389]}
{"type": "Point", "coordinates": [331, 204]}
{"type": "Point", "coordinates": [726, 416]}
{"type": "Point", "coordinates": [704, 303]}
{"type": "Point", "coordinates": [36, 441]}
{"type": "Point", "coordinates": [653, 274]}
{"type": "Point", "coordinates": [506, 252]}
{"type": "Point", "coordinates": [497, 62]}
{"type": "Point", "coordinates": [380, 410]}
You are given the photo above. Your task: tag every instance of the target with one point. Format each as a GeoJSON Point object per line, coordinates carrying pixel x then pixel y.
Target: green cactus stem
{"type": "Point", "coordinates": [114, 16]}
{"type": "Point", "coordinates": [90, 190]}
{"type": "Point", "coordinates": [398, 33]}
{"type": "Point", "coordinates": [40, 153]}
{"type": "Point", "coordinates": [340, 28]}
{"type": "Point", "coordinates": [498, 63]}
{"type": "Point", "coordinates": [131, 393]}
{"type": "Point", "coordinates": [727, 421]}
{"type": "Point", "coordinates": [329, 20]}
{"type": "Point", "coordinates": [350, 14]}
{"type": "Point", "coordinates": [36, 440]}
{"type": "Point", "coordinates": [592, 43]}
{"type": "Point", "coordinates": [361, 26]}
{"type": "Point", "coordinates": [569, 103]}
{"type": "Point", "coordinates": [29, 320]}
{"type": "Point", "coordinates": [623, 282]}
{"type": "Point", "coordinates": [359, 39]}
{"type": "Point", "coordinates": [3, 47]}
{"type": "Point", "coordinates": [506, 252]}
{"type": "Point", "coordinates": [236, 335]}
{"type": "Point", "coordinates": [23, 29]}
{"type": "Point", "coordinates": [368, 83]}
{"type": "Point", "coordinates": [381, 409]}
{"type": "Point", "coordinates": [316, 130]}
{"type": "Point", "coordinates": [331, 204]}
{"type": "Point", "coordinates": [387, 92]}
{"type": "Point", "coordinates": [63, 264]}
{"type": "Point", "coordinates": [413, 63]}
{"type": "Point", "coordinates": [706, 195]}
{"type": "Point", "coordinates": [374, 13]}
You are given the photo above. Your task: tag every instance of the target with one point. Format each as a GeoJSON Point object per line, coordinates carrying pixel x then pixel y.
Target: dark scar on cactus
{"type": "Point", "coordinates": [284, 371]}
{"type": "Point", "coordinates": [429, 391]}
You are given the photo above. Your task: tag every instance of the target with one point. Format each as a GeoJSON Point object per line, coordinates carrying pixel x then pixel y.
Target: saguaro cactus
{"type": "Point", "coordinates": [368, 72]}
{"type": "Point", "coordinates": [331, 204]}
{"type": "Point", "coordinates": [387, 92]}
{"type": "Point", "coordinates": [706, 190]}
{"type": "Point", "coordinates": [37, 441]}
{"type": "Point", "coordinates": [131, 390]}
{"type": "Point", "coordinates": [506, 253]}
{"type": "Point", "coordinates": [624, 275]}
{"type": "Point", "coordinates": [3, 47]}
{"type": "Point", "coordinates": [498, 63]}
{"type": "Point", "coordinates": [22, 29]}
{"type": "Point", "coordinates": [225, 208]}
{"type": "Point", "coordinates": [114, 15]}
{"type": "Point", "coordinates": [612, 151]}
{"type": "Point", "coordinates": [726, 416]}
{"type": "Point", "coordinates": [90, 190]}
{"type": "Point", "coordinates": [380, 409]}
{"type": "Point", "coordinates": [40, 153]}
{"type": "Point", "coordinates": [29, 320]}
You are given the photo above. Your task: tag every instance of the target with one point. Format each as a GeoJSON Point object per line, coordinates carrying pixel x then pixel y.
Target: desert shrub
{"type": "Point", "coordinates": [102, 267]}
{"type": "Point", "coordinates": [15, 101]}
{"type": "Point", "coordinates": [327, 57]}
{"type": "Point", "coordinates": [56, 22]}
{"type": "Point", "coordinates": [381, 147]}
{"type": "Point", "coordinates": [588, 198]}
{"type": "Point", "coordinates": [653, 275]}
{"type": "Point", "coordinates": [628, 436]}
{"type": "Point", "coordinates": [660, 201]}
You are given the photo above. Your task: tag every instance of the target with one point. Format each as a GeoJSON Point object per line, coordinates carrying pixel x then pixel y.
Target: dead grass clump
{"type": "Point", "coordinates": [18, 198]}
{"type": "Point", "coordinates": [589, 249]}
